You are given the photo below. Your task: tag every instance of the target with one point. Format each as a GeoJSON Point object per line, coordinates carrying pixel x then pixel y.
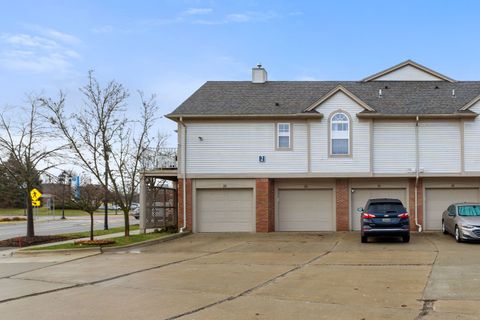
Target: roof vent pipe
{"type": "Point", "coordinates": [259, 74]}
{"type": "Point", "coordinates": [380, 93]}
{"type": "Point", "coordinates": [453, 93]}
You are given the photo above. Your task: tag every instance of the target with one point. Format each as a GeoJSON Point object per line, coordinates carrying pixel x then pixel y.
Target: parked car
{"type": "Point", "coordinates": [384, 217]}
{"type": "Point", "coordinates": [462, 220]}
{"type": "Point", "coordinates": [136, 213]}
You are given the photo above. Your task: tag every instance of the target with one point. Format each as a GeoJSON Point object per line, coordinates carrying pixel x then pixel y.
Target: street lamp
{"type": "Point", "coordinates": [106, 151]}
{"type": "Point", "coordinates": [63, 178]}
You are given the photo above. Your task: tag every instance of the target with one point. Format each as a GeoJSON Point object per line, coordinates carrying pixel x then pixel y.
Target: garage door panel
{"type": "Point", "coordinates": [224, 210]}
{"type": "Point", "coordinates": [305, 210]}
{"type": "Point", "coordinates": [361, 196]}
{"type": "Point", "coordinates": [438, 200]}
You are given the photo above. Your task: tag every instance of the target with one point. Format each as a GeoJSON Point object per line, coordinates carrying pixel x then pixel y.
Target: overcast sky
{"type": "Point", "coordinates": [172, 47]}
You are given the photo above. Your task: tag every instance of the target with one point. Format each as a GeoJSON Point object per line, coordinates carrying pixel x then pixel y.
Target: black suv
{"type": "Point", "coordinates": [385, 217]}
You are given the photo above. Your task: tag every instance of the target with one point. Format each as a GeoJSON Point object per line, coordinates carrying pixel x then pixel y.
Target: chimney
{"type": "Point", "coordinates": [259, 74]}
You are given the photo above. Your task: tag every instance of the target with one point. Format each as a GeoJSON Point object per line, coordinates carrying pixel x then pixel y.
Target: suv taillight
{"type": "Point", "coordinates": [367, 215]}
{"type": "Point", "coordinates": [403, 215]}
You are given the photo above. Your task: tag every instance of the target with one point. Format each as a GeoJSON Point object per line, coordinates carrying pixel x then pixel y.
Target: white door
{"type": "Point", "coordinates": [305, 210]}
{"type": "Point", "coordinates": [361, 196]}
{"type": "Point", "coordinates": [225, 210]}
{"type": "Point", "coordinates": [438, 200]}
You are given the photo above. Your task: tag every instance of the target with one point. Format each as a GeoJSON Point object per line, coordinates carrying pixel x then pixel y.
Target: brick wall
{"type": "Point", "coordinates": [189, 204]}
{"type": "Point", "coordinates": [265, 205]}
{"type": "Point", "coordinates": [342, 204]}
{"type": "Point", "coordinates": [411, 200]}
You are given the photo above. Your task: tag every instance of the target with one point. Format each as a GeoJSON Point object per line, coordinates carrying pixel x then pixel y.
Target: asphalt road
{"type": "Point", "coordinates": [48, 226]}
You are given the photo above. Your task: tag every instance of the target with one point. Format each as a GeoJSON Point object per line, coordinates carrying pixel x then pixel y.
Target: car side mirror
{"type": "Point", "coordinates": [451, 214]}
{"type": "Point", "coordinates": [360, 209]}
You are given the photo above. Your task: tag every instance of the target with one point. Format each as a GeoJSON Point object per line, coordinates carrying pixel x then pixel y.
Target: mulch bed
{"type": "Point", "coordinates": [101, 242]}
{"type": "Point", "coordinates": [25, 242]}
{"type": "Point", "coordinates": [7, 219]}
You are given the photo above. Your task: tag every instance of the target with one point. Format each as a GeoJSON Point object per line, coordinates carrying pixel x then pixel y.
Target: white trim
{"type": "Point", "coordinates": [470, 104]}
{"type": "Point", "coordinates": [284, 134]}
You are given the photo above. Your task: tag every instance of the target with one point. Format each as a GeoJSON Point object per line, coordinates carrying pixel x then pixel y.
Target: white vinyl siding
{"type": "Point", "coordinates": [472, 141]}
{"type": "Point", "coordinates": [394, 146]}
{"type": "Point", "coordinates": [359, 161]}
{"type": "Point", "coordinates": [408, 73]}
{"type": "Point", "coordinates": [440, 147]}
{"type": "Point", "coordinates": [234, 147]}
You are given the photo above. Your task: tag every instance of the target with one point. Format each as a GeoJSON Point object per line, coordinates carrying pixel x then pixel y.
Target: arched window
{"type": "Point", "coordinates": [340, 134]}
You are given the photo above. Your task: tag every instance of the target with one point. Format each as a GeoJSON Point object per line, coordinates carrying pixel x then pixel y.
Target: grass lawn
{"type": "Point", "coordinates": [86, 234]}
{"type": "Point", "coordinates": [119, 241]}
{"type": "Point", "coordinates": [46, 212]}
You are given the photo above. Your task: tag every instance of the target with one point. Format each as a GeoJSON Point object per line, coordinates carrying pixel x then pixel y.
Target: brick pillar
{"type": "Point", "coordinates": [189, 204]}
{"type": "Point", "coordinates": [265, 205]}
{"type": "Point", "coordinates": [411, 200]}
{"type": "Point", "coordinates": [342, 199]}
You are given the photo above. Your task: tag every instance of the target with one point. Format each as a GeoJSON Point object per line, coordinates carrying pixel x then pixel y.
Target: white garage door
{"type": "Point", "coordinates": [305, 210]}
{"type": "Point", "coordinates": [225, 210]}
{"type": "Point", "coordinates": [438, 200]}
{"type": "Point", "coordinates": [361, 196]}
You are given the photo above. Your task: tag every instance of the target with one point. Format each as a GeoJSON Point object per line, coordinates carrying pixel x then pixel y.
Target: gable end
{"type": "Point", "coordinates": [409, 68]}
{"type": "Point", "coordinates": [333, 92]}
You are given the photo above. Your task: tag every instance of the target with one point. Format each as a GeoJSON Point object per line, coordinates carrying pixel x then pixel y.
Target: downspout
{"type": "Point", "coordinates": [417, 169]}
{"type": "Point", "coordinates": [184, 162]}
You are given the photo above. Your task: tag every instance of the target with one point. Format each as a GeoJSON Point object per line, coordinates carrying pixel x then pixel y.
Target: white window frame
{"type": "Point", "coordinates": [284, 134]}
{"type": "Point", "coordinates": [344, 134]}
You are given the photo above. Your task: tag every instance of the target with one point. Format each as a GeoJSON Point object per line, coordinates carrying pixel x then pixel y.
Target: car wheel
{"type": "Point", "coordinates": [364, 239]}
{"type": "Point", "coordinates": [444, 230]}
{"type": "Point", "coordinates": [458, 236]}
{"type": "Point", "coordinates": [406, 238]}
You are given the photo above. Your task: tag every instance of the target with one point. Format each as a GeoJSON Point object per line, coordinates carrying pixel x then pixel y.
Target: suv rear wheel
{"type": "Point", "coordinates": [364, 239]}
{"type": "Point", "coordinates": [406, 238]}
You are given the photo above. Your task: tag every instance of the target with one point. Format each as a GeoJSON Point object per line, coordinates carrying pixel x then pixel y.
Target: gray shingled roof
{"type": "Point", "coordinates": [292, 97]}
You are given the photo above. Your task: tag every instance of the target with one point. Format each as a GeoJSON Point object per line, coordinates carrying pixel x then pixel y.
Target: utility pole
{"type": "Point", "coordinates": [63, 180]}
{"type": "Point", "coordinates": [105, 223]}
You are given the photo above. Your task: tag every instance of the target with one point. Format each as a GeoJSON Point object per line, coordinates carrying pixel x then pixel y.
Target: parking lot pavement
{"type": "Point", "coordinates": [251, 276]}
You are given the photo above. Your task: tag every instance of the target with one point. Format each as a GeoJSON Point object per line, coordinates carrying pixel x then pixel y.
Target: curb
{"type": "Point", "coordinates": [145, 243]}
{"type": "Point", "coordinates": [104, 249]}
{"type": "Point", "coordinates": [34, 252]}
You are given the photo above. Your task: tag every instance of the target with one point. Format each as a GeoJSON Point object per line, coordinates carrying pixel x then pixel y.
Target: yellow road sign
{"type": "Point", "coordinates": [36, 203]}
{"type": "Point", "coordinates": [35, 194]}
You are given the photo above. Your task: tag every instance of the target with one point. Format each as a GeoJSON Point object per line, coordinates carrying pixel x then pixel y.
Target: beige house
{"type": "Point", "coordinates": [262, 156]}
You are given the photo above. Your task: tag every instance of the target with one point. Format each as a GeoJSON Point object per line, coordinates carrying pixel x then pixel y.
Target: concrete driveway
{"type": "Point", "coordinates": [251, 276]}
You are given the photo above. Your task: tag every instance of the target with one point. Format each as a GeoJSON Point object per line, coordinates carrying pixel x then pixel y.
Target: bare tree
{"type": "Point", "coordinates": [104, 141]}
{"type": "Point", "coordinates": [88, 199]}
{"type": "Point", "coordinates": [27, 142]}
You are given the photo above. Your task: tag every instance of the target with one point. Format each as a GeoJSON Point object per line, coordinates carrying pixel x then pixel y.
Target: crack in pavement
{"type": "Point", "coordinates": [79, 285]}
{"type": "Point", "coordinates": [428, 304]}
{"type": "Point", "coordinates": [427, 307]}
{"type": "Point", "coordinates": [260, 285]}
{"type": "Point", "coordinates": [50, 265]}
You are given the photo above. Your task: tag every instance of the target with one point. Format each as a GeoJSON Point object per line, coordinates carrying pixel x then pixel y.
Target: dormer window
{"type": "Point", "coordinates": [340, 134]}
{"type": "Point", "coordinates": [284, 136]}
